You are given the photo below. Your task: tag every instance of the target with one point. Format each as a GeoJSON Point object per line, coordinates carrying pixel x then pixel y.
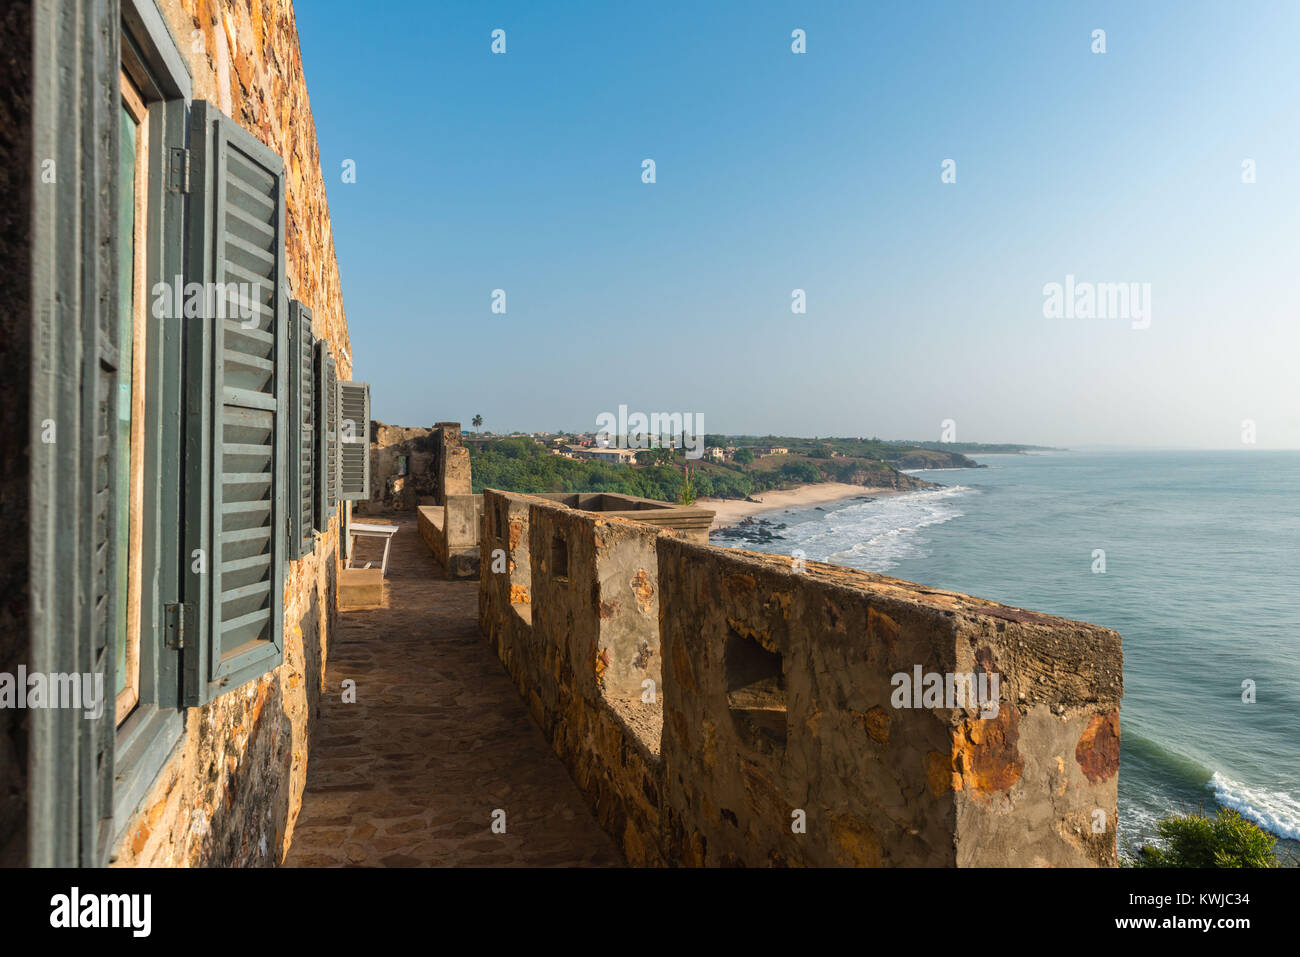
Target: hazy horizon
{"type": "Point", "coordinates": [820, 171]}
{"type": "Point", "coordinates": [469, 429]}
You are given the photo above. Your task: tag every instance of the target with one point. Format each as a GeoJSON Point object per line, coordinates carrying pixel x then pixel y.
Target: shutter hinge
{"type": "Point", "coordinates": [180, 170]}
{"type": "Point", "coordinates": [175, 625]}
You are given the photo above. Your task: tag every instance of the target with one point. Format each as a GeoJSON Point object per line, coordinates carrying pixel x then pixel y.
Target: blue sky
{"type": "Point", "coordinates": [818, 171]}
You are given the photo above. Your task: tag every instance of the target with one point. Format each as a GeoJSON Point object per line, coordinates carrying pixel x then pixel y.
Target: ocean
{"type": "Point", "coordinates": [1202, 580]}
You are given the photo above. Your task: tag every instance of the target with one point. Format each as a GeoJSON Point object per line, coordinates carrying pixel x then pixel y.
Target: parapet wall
{"type": "Point", "coordinates": [1013, 784]}
{"type": "Point", "coordinates": [727, 708]}
{"type": "Point", "coordinates": [573, 619]}
{"type": "Point", "coordinates": [451, 468]}
{"type": "Point", "coordinates": [451, 531]}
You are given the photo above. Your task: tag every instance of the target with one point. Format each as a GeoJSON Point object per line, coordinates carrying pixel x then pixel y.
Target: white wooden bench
{"type": "Point", "coordinates": [386, 532]}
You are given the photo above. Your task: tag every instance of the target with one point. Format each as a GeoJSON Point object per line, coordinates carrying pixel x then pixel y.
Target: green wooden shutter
{"type": "Point", "coordinates": [302, 380]}
{"type": "Point", "coordinates": [320, 510]}
{"type": "Point", "coordinates": [237, 411]}
{"type": "Point", "coordinates": [64, 761]}
{"type": "Point", "coordinates": [354, 440]}
{"type": "Point", "coordinates": [103, 386]}
{"type": "Point", "coordinates": [332, 418]}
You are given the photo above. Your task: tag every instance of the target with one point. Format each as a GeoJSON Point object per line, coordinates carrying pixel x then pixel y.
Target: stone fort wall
{"type": "Point", "coordinates": [720, 707]}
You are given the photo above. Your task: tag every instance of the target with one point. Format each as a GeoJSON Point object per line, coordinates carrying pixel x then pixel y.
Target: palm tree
{"type": "Point", "coordinates": [477, 421]}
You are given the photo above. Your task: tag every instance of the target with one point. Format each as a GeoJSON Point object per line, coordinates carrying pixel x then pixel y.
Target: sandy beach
{"type": "Point", "coordinates": [731, 510]}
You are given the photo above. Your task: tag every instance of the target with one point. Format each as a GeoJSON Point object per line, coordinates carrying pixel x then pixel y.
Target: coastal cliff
{"type": "Point", "coordinates": [933, 459]}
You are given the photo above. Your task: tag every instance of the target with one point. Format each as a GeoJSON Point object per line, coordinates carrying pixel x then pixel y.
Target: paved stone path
{"type": "Point", "coordinates": [437, 740]}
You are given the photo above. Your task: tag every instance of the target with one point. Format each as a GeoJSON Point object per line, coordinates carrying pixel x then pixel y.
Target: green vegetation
{"type": "Point", "coordinates": [1195, 840]}
{"type": "Point", "coordinates": [524, 465]}
{"type": "Point", "coordinates": [655, 457]}
{"type": "Point", "coordinates": [901, 455]}
{"type": "Point", "coordinates": [687, 495]}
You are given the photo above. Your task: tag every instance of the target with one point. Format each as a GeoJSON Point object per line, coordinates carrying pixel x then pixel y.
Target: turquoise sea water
{"type": "Point", "coordinates": [1202, 579]}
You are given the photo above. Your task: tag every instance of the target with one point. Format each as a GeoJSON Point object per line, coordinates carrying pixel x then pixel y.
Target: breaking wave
{"type": "Point", "coordinates": [875, 536]}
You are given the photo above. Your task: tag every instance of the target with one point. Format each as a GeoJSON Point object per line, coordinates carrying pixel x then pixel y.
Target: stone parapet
{"type": "Point", "coordinates": [720, 707]}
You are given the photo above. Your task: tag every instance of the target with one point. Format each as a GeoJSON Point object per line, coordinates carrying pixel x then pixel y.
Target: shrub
{"type": "Point", "coordinates": [1195, 840]}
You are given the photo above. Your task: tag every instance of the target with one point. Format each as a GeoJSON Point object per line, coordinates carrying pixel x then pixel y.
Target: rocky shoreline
{"type": "Point", "coordinates": [753, 530]}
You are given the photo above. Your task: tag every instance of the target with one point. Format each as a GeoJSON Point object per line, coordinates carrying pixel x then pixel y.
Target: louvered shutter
{"type": "Point", "coordinates": [320, 511]}
{"type": "Point", "coordinates": [302, 446]}
{"type": "Point", "coordinates": [332, 424]}
{"type": "Point", "coordinates": [237, 411]}
{"type": "Point", "coordinates": [354, 440]}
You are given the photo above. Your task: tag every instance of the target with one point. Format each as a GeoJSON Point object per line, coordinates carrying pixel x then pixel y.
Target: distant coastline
{"type": "Point", "coordinates": [732, 511]}
{"type": "Point", "coordinates": [745, 472]}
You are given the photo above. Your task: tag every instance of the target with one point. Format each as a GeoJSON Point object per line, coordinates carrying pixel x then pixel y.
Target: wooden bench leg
{"type": "Point", "coordinates": [387, 541]}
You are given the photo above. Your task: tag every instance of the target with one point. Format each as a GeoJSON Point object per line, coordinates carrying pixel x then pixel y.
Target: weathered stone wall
{"type": "Point", "coordinates": [450, 463]}
{"type": "Point", "coordinates": [505, 599]}
{"type": "Point", "coordinates": [775, 738]}
{"type": "Point", "coordinates": [451, 531]}
{"type": "Point", "coordinates": [232, 793]}
{"type": "Point", "coordinates": [461, 518]}
{"type": "Point", "coordinates": [552, 637]}
{"type": "Point", "coordinates": [388, 444]}
{"type": "Point", "coordinates": [250, 66]}
{"type": "Point", "coordinates": [879, 784]}
{"type": "Point", "coordinates": [15, 365]}
{"type": "Point", "coordinates": [437, 465]}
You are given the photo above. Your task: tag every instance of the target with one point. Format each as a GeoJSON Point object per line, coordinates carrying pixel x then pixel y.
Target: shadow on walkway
{"type": "Point", "coordinates": [437, 740]}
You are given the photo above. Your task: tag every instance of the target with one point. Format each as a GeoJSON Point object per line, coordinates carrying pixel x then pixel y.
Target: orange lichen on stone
{"type": "Point", "coordinates": [855, 843]}
{"type": "Point", "coordinates": [876, 722]}
{"type": "Point", "coordinates": [882, 628]}
{"type": "Point", "coordinates": [140, 839]}
{"type": "Point", "coordinates": [519, 595]}
{"type": "Point", "coordinates": [779, 600]}
{"type": "Point", "coordinates": [516, 527]}
{"type": "Point", "coordinates": [644, 590]}
{"type": "Point", "coordinates": [1098, 749]}
{"type": "Point", "coordinates": [986, 753]}
{"type": "Point", "coordinates": [746, 630]}
{"type": "Point", "coordinates": [939, 776]}
{"type": "Point", "coordinates": [738, 584]}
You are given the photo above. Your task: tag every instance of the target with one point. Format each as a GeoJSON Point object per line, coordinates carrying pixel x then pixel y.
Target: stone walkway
{"type": "Point", "coordinates": [438, 739]}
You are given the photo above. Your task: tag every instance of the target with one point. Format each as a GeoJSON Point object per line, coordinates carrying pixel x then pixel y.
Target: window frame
{"type": "Point", "coordinates": [147, 738]}
{"type": "Point", "coordinates": [126, 700]}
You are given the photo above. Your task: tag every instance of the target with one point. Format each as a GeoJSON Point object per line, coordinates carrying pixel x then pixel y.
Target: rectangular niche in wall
{"type": "Point", "coordinates": [559, 557]}
{"type": "Point", "coordinates": [755, 691]}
